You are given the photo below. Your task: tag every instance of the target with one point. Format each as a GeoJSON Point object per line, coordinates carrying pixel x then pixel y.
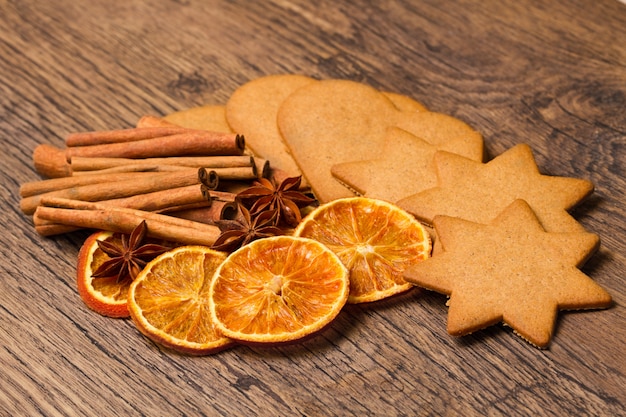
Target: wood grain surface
{"type": "Point", "coordinates": [550, 74]}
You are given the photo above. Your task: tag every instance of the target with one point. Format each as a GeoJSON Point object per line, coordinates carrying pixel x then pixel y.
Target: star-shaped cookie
{"type": "Point", "coordinates": [478, 192]}
{"type": "Point", "coordinates": [404, 168]}
{"type": "Point", "coordinates": [510, 270]}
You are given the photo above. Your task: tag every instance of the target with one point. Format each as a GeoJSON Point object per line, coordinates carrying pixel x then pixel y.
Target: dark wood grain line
{"type": "Point", "coordinates": [21, 393]}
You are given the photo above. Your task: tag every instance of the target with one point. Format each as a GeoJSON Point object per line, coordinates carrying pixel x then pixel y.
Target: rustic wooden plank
{"type": "Point", "coordinates": [552, 74]}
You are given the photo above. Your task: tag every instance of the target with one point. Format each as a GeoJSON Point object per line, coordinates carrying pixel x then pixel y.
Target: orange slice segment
{"type": "Point", "coordinates": [376, 241]}
{"type": "Point", "coordinates": [278, 289]}
{"type": "Point", "coordinates": [168, 301]}
{"type": "Point", "coordinates": [106, 296]}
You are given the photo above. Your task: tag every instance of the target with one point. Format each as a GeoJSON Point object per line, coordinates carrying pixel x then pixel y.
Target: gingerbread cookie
{"type": "Point", "coordinates": [510, 270]}
{"type": "Point", "coordinates": [251, 110]}
{"type": "Point", "coordinates": [404, 168]}
{"type": "Point", "coordinates": [209, 117]}
{"type": "Point", "coordinates": [332, 121]}
{"type": "Point", "coordinates": [479, 192]}
{"type": "Point", "coordinates": [439, 129]}
{"type": "Point", "coordinates": [335, 121]}
{"type": "Point", "coordinates": [405, 103]}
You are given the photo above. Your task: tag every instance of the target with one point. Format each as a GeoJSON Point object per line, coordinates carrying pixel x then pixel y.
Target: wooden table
{"type": "Point", "coordinates": [550, 74]}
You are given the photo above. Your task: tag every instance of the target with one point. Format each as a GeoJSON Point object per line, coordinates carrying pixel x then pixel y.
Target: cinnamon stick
{"type": "Point", "coordinates": [44, 186]}
{"type": "Point", "coordinates": [263, 167]}
{"type": "Point", "coordinates": [210, 215]}
{"type": "Point", "coordinates": [191, 142]}
{"type": "Point", "coordinates": [208, 178]}
{"type": "Point", "coordinates": [233, 187]}
{"type": "Point", "coordinates": [88, 215]}
{"type": "Point", "coordinates": [128, 168]}
{"type": "Point", "coordinates": [79, 163]}
{"type": "Point", "coordinates": [222, 206]}
{"type": "Point", "coordinates": [228, 173]}
{"type": "Point", "coordinates": [220, 195]}
{"type": "Point", "coordinates": [191, 206]}
{"type": "Point", "coordinates": [51, 162]}
{"type": "Point", "coordinates": [237, 173]}
{"type": "Point", "coordinates": [100, 137]}
{"type": "Point", "coordinates": [167, 199]}
{"type": "Point", "coordinates": [49, 228]}
{"type": "Point", "coordinates": [118, 189]}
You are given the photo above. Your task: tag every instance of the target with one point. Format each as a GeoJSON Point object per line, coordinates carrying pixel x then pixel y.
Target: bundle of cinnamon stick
{"type": "Point", "coordinates": [180, 180]}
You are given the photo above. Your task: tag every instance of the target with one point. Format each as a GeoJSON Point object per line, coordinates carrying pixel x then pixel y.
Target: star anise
{"type": "Point", "coordinates": [245, 228]}
{"type": "Point", "coordinates": [128, 259]}
{"type": "Point", "coordinates": [285, 198]}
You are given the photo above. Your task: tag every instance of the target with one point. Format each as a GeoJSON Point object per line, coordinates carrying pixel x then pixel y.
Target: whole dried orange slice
{"type": "Point", "coordinates": [168, 301]}
{"type": "Point", "coordinates": [278, 289]}
{"type": "Point", "coordinates": [374, 239]}
{"type": "Point", "coordinates": [106, 296]}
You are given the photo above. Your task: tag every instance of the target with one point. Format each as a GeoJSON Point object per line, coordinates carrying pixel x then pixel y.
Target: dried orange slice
{"type": "Point", "coordinates": [106, 296]}
{"type": "Point", "coordinates": [376, 241]}
{"type": "Point", "coordinates": [168, 301]}
{"type": "Point", "coordinates": [278, 289]}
